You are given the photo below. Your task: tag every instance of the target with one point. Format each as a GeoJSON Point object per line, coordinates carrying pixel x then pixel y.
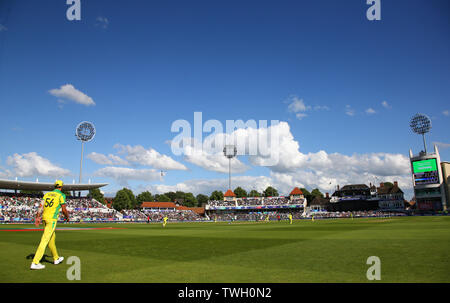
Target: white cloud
{"type": "Point", "coordinates": [300, 115]}
{"type": "Point", "coordinates": [123, 174]}
{"type": "Point", "coordinates": [3, 28]}
{"type": "Point", "coordinates": [102, 22]}
{"type": "Point", "coordinates": [321, 107]}
{"type": "Point", "coordinates": [107, 160]}
{"type": "Point", "coordinates": [213, 161]}
{"type": "Point", "coordinates": [446, 113]}
{"type": "Point", "coordinates": [370, 111]}
{"type": "Point", "coordinates": [148, 157]}
{"type": "Point", "coordinates": [287, 151]}
{"type": "Point", "coordinates": [69, 92]}
{"type": "Point", "coordinates": [5, 173]}
{"type": "Point", "coordinates": [312, 169]}
{"type": "Point", "coordinates": [209, 153]}
{"type": "Point", "coordinates": [386, 105]}
{"type": "Point", "coordinates": [298, 106]}
{"type": "Point", "coordinates": [349, 111]}
{"type": "Point", "coordinates": [203, 186]}
{"type": "Point", "coordinates": [31, 164]}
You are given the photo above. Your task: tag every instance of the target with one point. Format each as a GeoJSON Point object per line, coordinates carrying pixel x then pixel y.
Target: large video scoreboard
{"type": "Point", "coordinates": [425, 172]}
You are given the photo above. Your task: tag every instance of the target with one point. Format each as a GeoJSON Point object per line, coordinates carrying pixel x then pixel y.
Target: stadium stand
{"type": "Point", "coordinates": [22, 208]}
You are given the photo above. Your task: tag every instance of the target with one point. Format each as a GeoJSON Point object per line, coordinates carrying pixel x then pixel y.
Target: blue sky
{"type": "Point", "coordinates": [345, 86]}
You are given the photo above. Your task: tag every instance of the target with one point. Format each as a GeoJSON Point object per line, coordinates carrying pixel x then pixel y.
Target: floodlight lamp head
{"type": "Point", "coordinates": [420, 124]}
{"type": "Point", "coordinates": [230, 151]}
{"type": "Point", "coordinates": [85, 131]}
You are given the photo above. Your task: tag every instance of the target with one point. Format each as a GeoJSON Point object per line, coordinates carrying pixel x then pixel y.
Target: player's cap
{"type": "Point", "coordinates": [58, 183]}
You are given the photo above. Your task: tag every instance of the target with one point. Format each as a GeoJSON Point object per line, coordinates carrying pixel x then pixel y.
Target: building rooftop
{"type": "Point", "coordinates": [296, 191]}
{"type": "Point", "coordinates": [229, 193]}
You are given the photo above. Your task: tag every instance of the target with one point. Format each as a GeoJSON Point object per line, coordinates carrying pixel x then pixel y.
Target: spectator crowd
{"type": "Point", "coordinates": [23, 208]}
{"type": "Point", "coordinates": [256, 201]}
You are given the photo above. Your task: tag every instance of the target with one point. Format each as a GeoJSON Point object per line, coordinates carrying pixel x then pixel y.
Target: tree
{"type": "Point", "coordinates": [202, 199]}
{"type": "Point", "coordinates": [121, 201]}
{"type": "Point", "coordinates": [163, 198]}
{"type": "Point", "coordinates": [240, 192]}
{"type": "Point", "coordinates": [316, 193]}
{"type": "Point", "coordinates": [270, 192]}
{"type": "Point", "coordinates": [144, 196]}
{"type": "Point", "coordinates": [305, 191]}
{"type": "Point", "coordinates": [307, 195]}
{"type": "Point", "coordinates": [216, 195]}
{"type": "Point", "coordinates": [97, 195]}
{"type": "Point", "coordinates": [388, 184]}
{"type": "Point", "coordinates": [189, 200]}
{"type": "Point", "coordinates": [134, 203]}
{"type": "Point", "coordinates": [172, 195]}
{"type": "Point", "coordinates": [254, 193]}
{"type": "Point", "coordinates": [180, 195]}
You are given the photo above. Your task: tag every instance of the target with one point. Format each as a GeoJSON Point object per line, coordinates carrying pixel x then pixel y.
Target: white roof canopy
{"type": "Point", "coordinates": [42, 186]}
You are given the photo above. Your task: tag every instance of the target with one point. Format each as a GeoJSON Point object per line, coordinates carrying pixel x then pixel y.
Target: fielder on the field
{"type": "Point", "coordinates": [48, 212]}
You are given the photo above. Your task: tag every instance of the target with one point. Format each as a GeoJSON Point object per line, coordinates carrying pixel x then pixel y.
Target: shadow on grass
{"type": "Point", "coordinates": [44, 258]}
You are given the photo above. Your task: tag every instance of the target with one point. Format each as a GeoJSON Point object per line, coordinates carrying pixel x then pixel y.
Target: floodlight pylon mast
{"type": "Point", "coordinates": [81, 161]}
{"type": "Point", "coordinates": [84, 132]}
{"type": "Point", "coordinates": [424, 143]}
{"type": "Point", "coordinates": [230, 152]}
{"type": "Point", "coordinates": [229, 173]}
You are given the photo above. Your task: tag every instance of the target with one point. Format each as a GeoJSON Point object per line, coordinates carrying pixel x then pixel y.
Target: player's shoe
{"type": "Point", "coordinates": [37, 266]}
{"type": "Point", "coordinates": [59, 260]}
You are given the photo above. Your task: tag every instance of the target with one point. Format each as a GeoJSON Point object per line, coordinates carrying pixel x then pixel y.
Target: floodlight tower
{"type": "Point", "coordinates": [230, 151]}
{"type": "Point", "coordinates": [84, 132]}
{"type": "Point", "coordinates": [421, 124]}
{"type": "Point", "coordinates": [426, 168]}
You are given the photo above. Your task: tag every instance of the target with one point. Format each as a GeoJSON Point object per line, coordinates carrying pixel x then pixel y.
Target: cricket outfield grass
{"type": "Point", "coordinates": [411, 249]}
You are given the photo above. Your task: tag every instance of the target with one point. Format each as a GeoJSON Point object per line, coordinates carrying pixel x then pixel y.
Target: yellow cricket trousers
{"type": "Point", "coordinates": [48, 238]}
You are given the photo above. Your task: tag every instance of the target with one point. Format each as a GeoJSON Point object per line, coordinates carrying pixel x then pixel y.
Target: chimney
{"type": "Point", "coordinates": [381, 185]}
{"type": "Point", "coordinates": [338, 187]}
{"type": "Point", "coordinates": [327, 195]}
{"type": "Point", "coordinates": [395, 184]}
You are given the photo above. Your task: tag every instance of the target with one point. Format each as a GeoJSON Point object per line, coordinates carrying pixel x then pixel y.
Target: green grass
{"type": "Point", "coordinates": [411, 249]}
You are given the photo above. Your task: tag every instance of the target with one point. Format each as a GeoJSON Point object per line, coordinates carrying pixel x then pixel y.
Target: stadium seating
{"type": "Point", "coordinates": [23, 209]}
{"type": "Point", "coordinates": [256, 201]}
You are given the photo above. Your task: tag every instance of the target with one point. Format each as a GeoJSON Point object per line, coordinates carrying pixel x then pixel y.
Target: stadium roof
{"type": "Point", "coordinates": [355, 187]}
{"type": "Point", "coordinates": [198, 210]}
{"type": "Point", "coordinates": [385, 190]}
{"type": "Point", "coordinates": [42, 186]}
{"type": "Point", "coordinates": [296, 191]}
{"type": "Point", "coordinates": [159, 204]}
{"type": "Point", "coordinates": [229, 193]}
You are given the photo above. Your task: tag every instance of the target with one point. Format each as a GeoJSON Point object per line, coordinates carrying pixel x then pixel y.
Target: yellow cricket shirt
{"type": "Point", "coordinates": [52, 204]}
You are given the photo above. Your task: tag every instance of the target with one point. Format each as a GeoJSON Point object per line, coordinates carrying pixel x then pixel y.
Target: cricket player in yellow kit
{"type": "Point", "coordinates": [165, 221]}
{"type": "Point", "coordinates": [290, 218]}
{"type": "Point", "coordinates": [48, 212]}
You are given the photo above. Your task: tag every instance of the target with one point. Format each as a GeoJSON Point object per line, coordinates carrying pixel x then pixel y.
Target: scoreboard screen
{"type": "Point", "coordinates": [425, 172]}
